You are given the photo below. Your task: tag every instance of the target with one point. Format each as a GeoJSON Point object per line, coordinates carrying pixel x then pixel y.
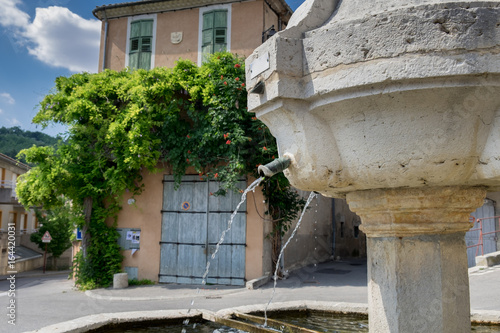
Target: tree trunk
{"type": "Point", "coordinates": [87, 211]}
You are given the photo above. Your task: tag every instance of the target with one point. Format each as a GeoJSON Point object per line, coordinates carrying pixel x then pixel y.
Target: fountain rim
{"type": "Point", "coordinates": [99, 321]}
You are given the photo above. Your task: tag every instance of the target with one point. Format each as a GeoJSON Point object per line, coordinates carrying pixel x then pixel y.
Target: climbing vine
{"type": "Point", "coordinates": [122, 123]}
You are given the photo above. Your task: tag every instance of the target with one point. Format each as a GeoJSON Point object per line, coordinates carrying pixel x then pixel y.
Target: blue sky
{"type": "Point", "coordinates": [39, 41]}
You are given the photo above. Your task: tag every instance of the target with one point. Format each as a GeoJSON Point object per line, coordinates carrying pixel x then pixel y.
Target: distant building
{"type": "Point", "coordinates": [10, 209]}
{"type": "Point", "coordinates": [21, 222]}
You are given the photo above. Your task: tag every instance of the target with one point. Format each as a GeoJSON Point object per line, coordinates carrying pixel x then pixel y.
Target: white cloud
{"type": "Point", "coordinates": [64, 39]}
{"type": "Point", "coordinates": [7, 121]}
{"type": "Point", "coordinates": [1, 111]}
{"type": "Point", "coordinates": [7, 97]}
{"type": "Point", "coordinates": [57, 36]}
{"type": "Point", "coordinates": [11, 16]}
{"type": "Point", "coordinates": [14, 122]}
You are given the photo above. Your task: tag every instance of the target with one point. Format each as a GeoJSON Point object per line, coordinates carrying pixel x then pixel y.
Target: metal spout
{"type": "Point", "coordinates": [274, 167]}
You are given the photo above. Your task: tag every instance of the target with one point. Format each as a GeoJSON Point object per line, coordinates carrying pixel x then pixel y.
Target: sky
{"type": "Point", "coordinates": [39, 41]}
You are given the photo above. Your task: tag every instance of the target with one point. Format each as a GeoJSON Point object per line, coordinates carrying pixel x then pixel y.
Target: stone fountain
{"type": "Point", "coordinates": [393, 105]}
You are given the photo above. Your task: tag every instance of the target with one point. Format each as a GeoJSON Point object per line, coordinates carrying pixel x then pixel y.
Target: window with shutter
{"type": "Point", "coordinates": [141, 37]}
{"type": "Point", "coordinates": [214, 34]}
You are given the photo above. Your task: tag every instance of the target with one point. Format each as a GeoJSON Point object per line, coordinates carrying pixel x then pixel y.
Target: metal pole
{"type": "Point", "coordinates": [481, 236]}
{"type": "Point", "coordinates": [44, 258]}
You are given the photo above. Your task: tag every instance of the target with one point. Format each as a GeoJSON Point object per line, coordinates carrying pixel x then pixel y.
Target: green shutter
{"type": "Point", "coordinates": [214, 33]}
{"type": "Point", "coordinates": [208, 20]}
{"type": "Point", "coordinates": [220, 19]}
{"type": "Point", "coordinates": [147, 28]}
{"type": "Point", "coordinates": [208, 36]}
{"type": "Point", "coordinates": [135, 29]}
{"type": "Point", "coordinates": [134, 45]}
{"type": "Point", "coordinates": [141, 44]}
{"type": "Point", "coordinates": [145, 60]}
{"type": "Point", "coordinates": [133, 60]}
{"type": "Point", "coordinates": [220, 36]}
{"type": "Point", "coordinates": [146, 44]}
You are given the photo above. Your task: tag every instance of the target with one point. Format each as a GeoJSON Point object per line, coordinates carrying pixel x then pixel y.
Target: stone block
{"type": "Point", "coordinates": [120, 280]}
{"type": "Point", "coordinates": [256, 283]}
{"type": "Point", "coordinates": [488, 260]}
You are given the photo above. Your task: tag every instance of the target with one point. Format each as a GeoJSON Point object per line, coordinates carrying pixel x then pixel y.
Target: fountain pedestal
{"type": "Point", "coordinates": [417, 262]}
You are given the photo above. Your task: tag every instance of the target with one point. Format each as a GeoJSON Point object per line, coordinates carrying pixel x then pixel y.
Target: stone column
{"type": "Point", "coordinates": [417, 259]}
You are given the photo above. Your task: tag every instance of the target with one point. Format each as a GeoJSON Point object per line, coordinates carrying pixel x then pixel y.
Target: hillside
{"type": "Point", "coordinates": [14, 139]}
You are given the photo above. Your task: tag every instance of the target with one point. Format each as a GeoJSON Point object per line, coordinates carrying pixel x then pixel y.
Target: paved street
{"type": "Point", "coordinates": [47, 300]}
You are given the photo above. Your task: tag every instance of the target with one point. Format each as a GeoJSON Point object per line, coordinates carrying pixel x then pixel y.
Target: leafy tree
{"type": "Point", "coordinates": [121, 123]}
{"type": "Point", "coordinates": [58, 222]}
{"type": "Point", "coordinates": [110, 138]}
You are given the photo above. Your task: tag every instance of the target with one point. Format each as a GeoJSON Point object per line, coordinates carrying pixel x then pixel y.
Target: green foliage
{"type": "Point", "coordinates": [284, 203]}
{"type": "Point", "coordinates": [143, 282]}
{"type": "Point", "coordinates": [209, 127]}
{"type": "Point", "coordinates": [104, 256]}
{"type": "Point", "coordinates": [121, 123]}
{"type": "Point", "coordinates": [14, 139]}
{"type": "Point", "coordinates": [58, 222]}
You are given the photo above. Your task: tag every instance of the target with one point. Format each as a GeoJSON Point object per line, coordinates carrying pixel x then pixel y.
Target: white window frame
{"type": "Point", "coordinates": [153, 46]}
{"type": "Point", "coordinates": [200, 27]}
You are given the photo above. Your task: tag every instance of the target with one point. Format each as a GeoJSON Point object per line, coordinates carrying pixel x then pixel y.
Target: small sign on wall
{"type": "Point", "coordinates": [185, 206]}
{"type": "Point", "coordinates": [259, 65]}
{"type": "Point", "coordinates": [133, 236]}
{"type": "Point", "coordinates": [129, 238]}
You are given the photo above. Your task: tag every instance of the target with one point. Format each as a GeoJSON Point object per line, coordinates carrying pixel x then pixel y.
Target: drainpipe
{"type": "Point", "coordinates": [105, 40]}
{"type": "Point", "coordinates": [334, 225]}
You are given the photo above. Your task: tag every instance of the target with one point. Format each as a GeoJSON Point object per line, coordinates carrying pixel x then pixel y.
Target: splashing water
{"type": "Point", "coordinates": [229, 224]}
{"type": "Point", "coordinates": [252, 188]}
{"type": "Point", "coordinates": [275, 277]}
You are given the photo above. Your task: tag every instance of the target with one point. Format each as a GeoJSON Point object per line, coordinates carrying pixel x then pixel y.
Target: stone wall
{"type": "Point", "coordinates": [313, 240]}
{"type": "Point", "coordinates": [350, 241]}
{"type": "Point", "coordinates": [495, 196]}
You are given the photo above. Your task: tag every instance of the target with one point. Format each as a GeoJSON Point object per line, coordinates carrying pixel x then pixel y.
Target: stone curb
{"type": "Point", "coordinates": [257, 283]}
{"type": "Point", "coordinates": [97, 294]}
{"type": "Point", "coordinates": [485, 317]}
{"type": "Point", "coordinates": [482, 269]}
{"type": "Point", "coordinates": [32, 275]}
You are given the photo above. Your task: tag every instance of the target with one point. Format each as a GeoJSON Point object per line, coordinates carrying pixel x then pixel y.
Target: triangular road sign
{"type": "Point", "coordinates": [46, 238]}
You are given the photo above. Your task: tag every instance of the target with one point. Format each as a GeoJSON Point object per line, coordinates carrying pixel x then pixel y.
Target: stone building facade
{"type": "Point", "coordinates": [156, 243]}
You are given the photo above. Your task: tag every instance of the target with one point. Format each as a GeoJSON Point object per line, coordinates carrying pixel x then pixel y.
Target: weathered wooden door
{"type": "Point", "coordinates": [472, 237]}
{"type": "Point", "coordinates": [192, 223]}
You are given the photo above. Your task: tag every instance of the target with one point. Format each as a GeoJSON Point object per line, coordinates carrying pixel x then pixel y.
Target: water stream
{"type": "Point", "coordinates": [275, 277]}
{"type": "Point", "coordinates": [252, 188]}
